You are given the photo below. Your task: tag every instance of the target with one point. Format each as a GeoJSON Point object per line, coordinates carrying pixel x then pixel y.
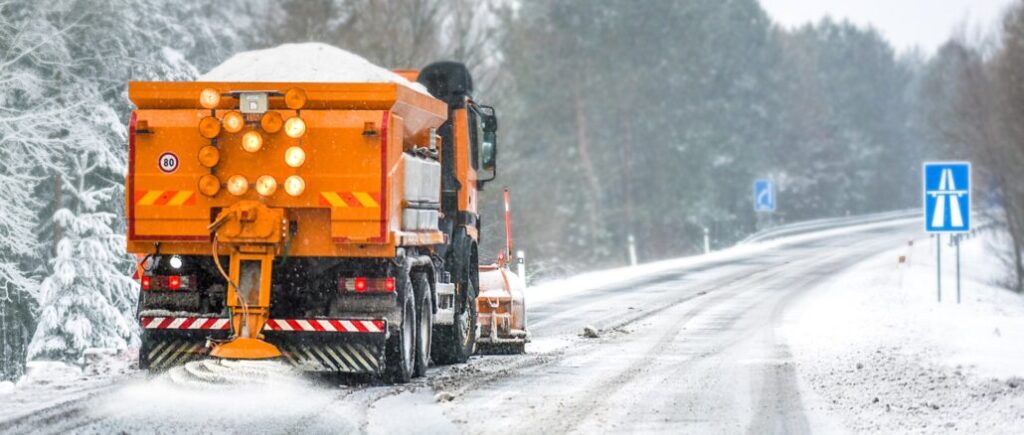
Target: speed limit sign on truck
{"type": "Point", "coordinates": [168, 162]}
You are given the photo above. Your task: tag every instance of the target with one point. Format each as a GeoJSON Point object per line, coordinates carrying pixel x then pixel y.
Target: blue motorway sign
{"type": "Point", "coordinates": [947, 197]}
{"type": "Point", "coordinates": [764, 195]}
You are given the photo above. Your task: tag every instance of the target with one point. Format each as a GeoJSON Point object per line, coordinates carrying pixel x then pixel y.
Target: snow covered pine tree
{"type": "Point", "coordinates": [88, 298]}
{"type": "Point", "coordinates": [88, 301]}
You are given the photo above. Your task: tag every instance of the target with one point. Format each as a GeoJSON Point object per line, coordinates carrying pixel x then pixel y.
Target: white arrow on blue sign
{"type": "Point", "coordinates": [947, 197]}
{"type": "Point", "coordinates": [764, 195]}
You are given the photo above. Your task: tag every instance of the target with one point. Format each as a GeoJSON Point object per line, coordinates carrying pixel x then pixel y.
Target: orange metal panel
{"type": "Point", "coordinates": [409, 74]}
{"type": "Point", "coordinates": [351, 205]}
{"type": "Point", "coordinates": [463, 166]}
{"type": "Point", "coordinates": [395, 175]}
{"type": "Point", "coordinates": [310, 240]}
{"type": "Point", "coordinates": [421, 111]}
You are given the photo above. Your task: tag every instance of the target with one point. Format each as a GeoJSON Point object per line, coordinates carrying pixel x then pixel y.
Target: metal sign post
{"type": "Point", "coordinates": [947, 209]}
{"type": "Point", "coordinates": [938, 263]}
{"type": "Point", "coordinates": [956, 239]}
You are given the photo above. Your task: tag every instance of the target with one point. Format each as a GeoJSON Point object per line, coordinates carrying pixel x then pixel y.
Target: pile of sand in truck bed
{"type": "Point", "coordinates": [307, 62]}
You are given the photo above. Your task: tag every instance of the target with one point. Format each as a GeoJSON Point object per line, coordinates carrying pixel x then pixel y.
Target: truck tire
{"type": "Point", "coordinates": [400, 351]}
{"type": "Point", "coordinates": [454, 344]}
{"type": "Point", "coordinates": [145, 347]}
{"type": "Point", "coordinates": [424, 324]}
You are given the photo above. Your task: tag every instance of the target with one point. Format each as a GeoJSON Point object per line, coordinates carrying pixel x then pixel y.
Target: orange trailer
{"type": "Point", "coordinates": [502, 300]}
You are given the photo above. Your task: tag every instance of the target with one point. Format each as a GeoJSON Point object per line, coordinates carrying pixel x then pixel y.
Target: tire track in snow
{"type": "Point", "coordinates": [592, 399]}
{"type": "Point", "coordinates": [730, 299]}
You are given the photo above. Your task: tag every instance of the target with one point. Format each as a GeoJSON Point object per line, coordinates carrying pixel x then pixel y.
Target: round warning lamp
{"type": "Point", "coordinates": [209, 127]}
{"type": "Point", "coordinates": [209, 156]}
{"type": "Point", "coordinates": [294, 185]}
{"type": "Point", "coordinates": [266, 185]}
{"type": "Point", "coordinates": [271, 122]}
{"type": "Point", "coordinates": [233, 122]}
{"type": "Point", "coordinates": [294, 157]}
{"type": "Point", "coordinates": [295, 127]}
{"type": "Point", "coordinates": [238, 185]}
{"type": "Point", "coordinates": [209, 185]}
{"type": "Point", "coordinates": [209, 98]}
{"type": "Point", "coordinates": [295, 98]}
{"type": "Point", "coordinates": [252, 141]}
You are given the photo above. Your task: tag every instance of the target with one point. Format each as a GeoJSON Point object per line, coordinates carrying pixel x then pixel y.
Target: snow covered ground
{"type": "Point", "coordinates": [879, 352]}
{"type": "Point", "coordinates": [48, 384]}
{"type": "Point", "coordinates": [822, 333]}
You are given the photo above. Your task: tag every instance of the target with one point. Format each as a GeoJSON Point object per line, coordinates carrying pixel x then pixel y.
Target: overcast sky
{"type": "Point", "coordinates": [906, 23]}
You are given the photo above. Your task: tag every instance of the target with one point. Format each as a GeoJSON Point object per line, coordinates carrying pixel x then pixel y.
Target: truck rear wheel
{"type": "Point", "coordinates": [456, 343]}
{"type": "Point", "coordinates": [424, 324]}
{"type": "Point", "coordinates": [144, 349]}
{"type": "Point", "coordinates": [400, 350]}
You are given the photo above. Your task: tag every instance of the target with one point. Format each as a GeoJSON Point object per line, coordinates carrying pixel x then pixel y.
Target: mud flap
{"type": "Point", "coordinates": [313, 345]}
{"type": "Point", "coordinates": [164, 349]}
{"type": "Point", "coordinates": [332, 352]}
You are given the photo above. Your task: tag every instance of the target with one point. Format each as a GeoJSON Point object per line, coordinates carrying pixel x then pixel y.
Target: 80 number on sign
{"type": "Point", "coordinates": [168, 162]}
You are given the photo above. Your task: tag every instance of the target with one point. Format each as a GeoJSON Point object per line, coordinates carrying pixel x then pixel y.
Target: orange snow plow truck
{"type": "Point", "coordinates": [331, 225]}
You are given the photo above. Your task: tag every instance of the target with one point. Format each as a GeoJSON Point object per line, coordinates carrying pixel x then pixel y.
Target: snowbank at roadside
{"type": "Point", "coordinates": [561, 288]}
{"type": "Point", "coordinates": [46, 383]}
{"type": "Point", "coordinates": [875, 344]}
{"type": "Point", "coordinates": [6, 387]}
{"type": "Point", "coordinates": [310, 62]}
{"type": "Point", "coordinates": [49, 372]}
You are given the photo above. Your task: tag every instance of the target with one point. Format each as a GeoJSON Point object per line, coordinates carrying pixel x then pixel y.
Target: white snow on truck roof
{"type": "Point", "coordinates": [307, 62]}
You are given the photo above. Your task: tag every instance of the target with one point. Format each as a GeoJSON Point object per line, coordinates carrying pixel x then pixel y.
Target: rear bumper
{"type": "Point", "coordinates": [313, 345]}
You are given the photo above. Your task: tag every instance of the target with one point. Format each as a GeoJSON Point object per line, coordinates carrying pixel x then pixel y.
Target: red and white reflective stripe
{"type": "Point", "coordinates": [221, 324]}
{"type": "Point", "coordinates": [191, 323]}
{"type": "Point", "coordinates": [324, 325]}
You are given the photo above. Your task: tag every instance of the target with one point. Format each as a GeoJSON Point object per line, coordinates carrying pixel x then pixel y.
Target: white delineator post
{"type": "Point", "coordinates": [632, 250]}
{"type": "Point", "coordinates": [521, 265]}
{"type": "Point", "coordinates": [707, 241]}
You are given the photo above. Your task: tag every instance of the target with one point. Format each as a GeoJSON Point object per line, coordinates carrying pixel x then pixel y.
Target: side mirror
{"type": "Point", "coordinates": [490, 120]}
{"type": "Point", "coordinates": [489, 150]}
{"type": "Point", "coordinates": [488, 145]}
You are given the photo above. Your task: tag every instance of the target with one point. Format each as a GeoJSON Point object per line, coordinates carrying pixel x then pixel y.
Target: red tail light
{"type": "Point", "coordinates": [168, 282]}
{"type": "Point", "coordinates": [363, 284]}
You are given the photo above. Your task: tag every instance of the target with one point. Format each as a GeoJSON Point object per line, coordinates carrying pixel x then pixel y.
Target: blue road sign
{"type": "Point", "coordinates": [764, 195]}
{"type": "Point", "coordinates": [947, 197]}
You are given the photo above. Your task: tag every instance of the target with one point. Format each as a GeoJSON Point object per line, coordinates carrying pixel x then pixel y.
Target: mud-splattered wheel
{"type": "Point", "coordinates": [456, 343]}
{"type": "Point", "coordinates": [144, 350]}
{"type": "Point", "coordinates": [400, 353]}
{"type": "Point", "coordinates": [424, 325]}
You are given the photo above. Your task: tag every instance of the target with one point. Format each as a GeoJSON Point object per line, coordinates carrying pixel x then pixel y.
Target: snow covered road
{"type": "Point", "coordinates": [694, 350]}
{"type": "Point", "coordinates": [701, 345]}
